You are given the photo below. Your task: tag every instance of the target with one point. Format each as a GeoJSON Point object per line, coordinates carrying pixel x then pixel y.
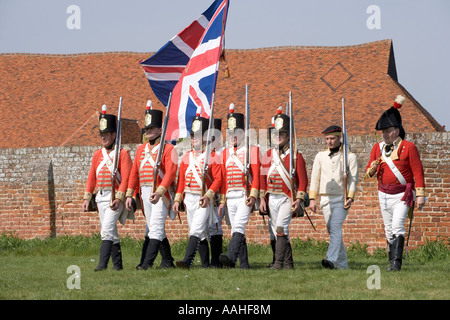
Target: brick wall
{"type": "Point", "coordinates": [41, 193]}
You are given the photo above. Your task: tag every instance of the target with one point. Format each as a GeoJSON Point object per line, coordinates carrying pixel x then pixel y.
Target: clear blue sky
{"type": "Point", "coordinates": [420, 30]}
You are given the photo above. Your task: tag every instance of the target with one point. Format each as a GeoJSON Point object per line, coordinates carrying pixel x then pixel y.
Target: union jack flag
{"type": "Point", "coordinates": [187, 66]}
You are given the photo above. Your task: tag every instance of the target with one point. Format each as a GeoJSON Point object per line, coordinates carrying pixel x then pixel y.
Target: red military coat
{"type": "Point", "coordinates": [272, 179]}
{"type": "Point", "coordinates": [99, 176]}
{"type": "Point", "coordinates": [143, 167]}
{"type": "Point", "coordinates": [407, 160]}
{"type": "Point", "coordinates": [233, 161]}
{"type": "Point", "coordinates": [190, 180]}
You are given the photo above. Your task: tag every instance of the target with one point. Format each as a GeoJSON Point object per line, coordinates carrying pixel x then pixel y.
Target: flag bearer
{"type": "Point", "coordinates": [277, 195]}
{"type": "Point", "coordinates": [234, 194]}
{"type": "Point", "coordinates": [327, 181]}
{"type": "Point", "coordinates": [156, 203]}
{"type": "Point", "coordinates": [199, 205]}
{"type": "Point", "coordinates": [399, 171]}
{"type": "Point", "coordinates": [99, 178]}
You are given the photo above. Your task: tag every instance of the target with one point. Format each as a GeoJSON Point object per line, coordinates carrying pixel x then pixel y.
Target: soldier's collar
{"type": "Point", "coordinates": [154, 142]}
{"type": "Point", "coordinates": [284, 149]}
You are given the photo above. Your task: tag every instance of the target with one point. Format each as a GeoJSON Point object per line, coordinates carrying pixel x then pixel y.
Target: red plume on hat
{"type": "Point", "coordinates": [392, 117]}
{"type": "Point", "coordinates": [399, 101]}
{"type": "Point", "coordinates": [280, 110]}
{"type": "Point", "coordinates": [104, 109]}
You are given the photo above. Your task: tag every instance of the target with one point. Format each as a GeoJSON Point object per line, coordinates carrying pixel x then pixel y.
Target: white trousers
{"type": "Point", "coordinates": [198, 218]}
{"type": "Point", "coordinates": [155, 215]}
{"type": "Point", "coordinates": [280, 214]}
{"type": "Point", "coordinates": [394, 212]}
{"type": "Point", "coordinates": [238, 211]}
{"type": "Point", "coordinates": [335, 214]}
{"type": "Point", "coordinates": [108, 217]}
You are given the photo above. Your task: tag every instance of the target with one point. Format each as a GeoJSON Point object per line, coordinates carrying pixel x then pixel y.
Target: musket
{"type": "Point", "coordinates": [293, 158]}
{"type": "Point", "coordinates": [116, 153]}
{"type": "Point", "coordinates": [247, 144]}
{"type": "Point", "coordinates": [293, 153]}
{"type": "Point", "coordinates": [207, 150]}
{"type": "Point", "coordinates": [344, 152]}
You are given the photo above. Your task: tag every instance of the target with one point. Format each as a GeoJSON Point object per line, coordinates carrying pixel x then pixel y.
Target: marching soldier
{"type": "Point", "coordinates": [199, 206]}
{"type": "Point", "coordinates": [156, 203]}
{"type": "Point", "coordinates": [327, 181]}
{"type": "Point", "coordinates": [399, 171]}
{"type": "Point", "coordinates": [277, 195]}
{"type": "Point", "coordinates": [233, 190]}
{"type": "Point", "coordinates": [215, 231]}
{"type": "Point", "coordinates": [99, 178]}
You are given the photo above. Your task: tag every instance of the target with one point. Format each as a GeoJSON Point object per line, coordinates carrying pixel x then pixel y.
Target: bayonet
{"type": "Point", "coordinates": [293, 160]}
{"type": "Point", "coordinates": [345, 166]}
{"type": "Point", "coordinates": [247, 144]}
{"type": "Point", "coordinates": [116, 153]}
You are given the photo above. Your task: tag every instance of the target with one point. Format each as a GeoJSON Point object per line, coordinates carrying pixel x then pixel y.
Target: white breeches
{"type": "Point", "coordinates": [238, 211]}
{"type": "Point", "coordinates": [108, 217]}
{"type": "Point", "coordinates": [155, 215]}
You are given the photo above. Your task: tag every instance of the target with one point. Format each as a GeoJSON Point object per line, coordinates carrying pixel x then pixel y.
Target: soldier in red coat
{"type": "Point", "coordinates": [234, 194]}
{"type": "Point", "coordinates": [399, 171]}
{"type": "Point", "coordinates": [100, 179]}
{"type": "Point", "coordinates": [156, 203]}
{"type": "Point", "coordinates": [277, 195]}
{"type": "Point", "coordinates": [199, 205]}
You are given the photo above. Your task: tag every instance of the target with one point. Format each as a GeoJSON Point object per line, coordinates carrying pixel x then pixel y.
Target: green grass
{"type": "Point", "coordinates": [37, 269]}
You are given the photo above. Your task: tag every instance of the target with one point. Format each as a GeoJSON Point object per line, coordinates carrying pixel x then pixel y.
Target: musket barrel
{"type": "Point", "coordinates": [116, 152]}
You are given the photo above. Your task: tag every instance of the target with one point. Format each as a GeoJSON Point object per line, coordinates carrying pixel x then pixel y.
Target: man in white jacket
{"type": "Point", "coordinates": [327, 181]}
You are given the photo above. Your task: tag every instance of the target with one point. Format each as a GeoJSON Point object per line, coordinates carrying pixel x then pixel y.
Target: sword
{"type": "Point", "coordinates": [409, 232]}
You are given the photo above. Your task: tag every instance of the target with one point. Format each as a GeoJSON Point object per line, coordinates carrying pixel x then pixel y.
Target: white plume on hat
{"type": "Point", "coordinates": [399, 101]}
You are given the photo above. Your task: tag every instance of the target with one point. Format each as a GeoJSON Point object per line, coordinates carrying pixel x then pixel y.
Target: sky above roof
{"type": "Point", "coordinates": [418, 28]}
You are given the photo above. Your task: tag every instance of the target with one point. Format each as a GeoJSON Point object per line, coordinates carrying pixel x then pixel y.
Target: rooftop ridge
{"type": "Point", "coordinates": [230, 50]}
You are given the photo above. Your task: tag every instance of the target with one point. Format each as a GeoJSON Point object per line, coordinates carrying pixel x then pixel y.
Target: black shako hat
{"type": "Point", "coordinates": [199, 124]}
{"type": "Point", "coordinates": [153, 117]}
{"type": "Point", "coordinates": [281, 121]}
{"type": "Point", "coordinates": [392, 118]}
{"type": "Point", "coordinates": [107, 122]}
{"type": "Point", "coordinates": [235, 120]}
{"type": "Point", "coordinates": [217, 124]}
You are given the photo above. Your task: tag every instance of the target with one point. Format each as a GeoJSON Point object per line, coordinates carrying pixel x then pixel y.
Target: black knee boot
{"type": "Point", "coordinates": [191, 250]}
{"type": "Point", "coordinates": [229, 260]}
{"type": "Point", "coordinates": [390, 255]}
{"type": "Point", "coordinates": [216, 250]}
{"type": "Point", "coordinates": [272, 245]}
{"type": "Point", "coordinates": [105, 253]}
{"type": "Point", "coordinates": [203, 251]}
{"type": "Point", "coordinates": [166, 254]}
{"type": "Point", "coordinates": [150, 254]}
{"type": "Point", "coordinates": [397, 253]}
{"type": "Point", "coordinates": [144, 251]}
{"type": "Point", "coordinates": [116, 256]}
{"type": "Point", "coordinates": [243, 256]}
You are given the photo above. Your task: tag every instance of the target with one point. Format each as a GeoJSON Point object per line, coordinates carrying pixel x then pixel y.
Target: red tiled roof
{"type": "Point", "coordinates": [52, 100]}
